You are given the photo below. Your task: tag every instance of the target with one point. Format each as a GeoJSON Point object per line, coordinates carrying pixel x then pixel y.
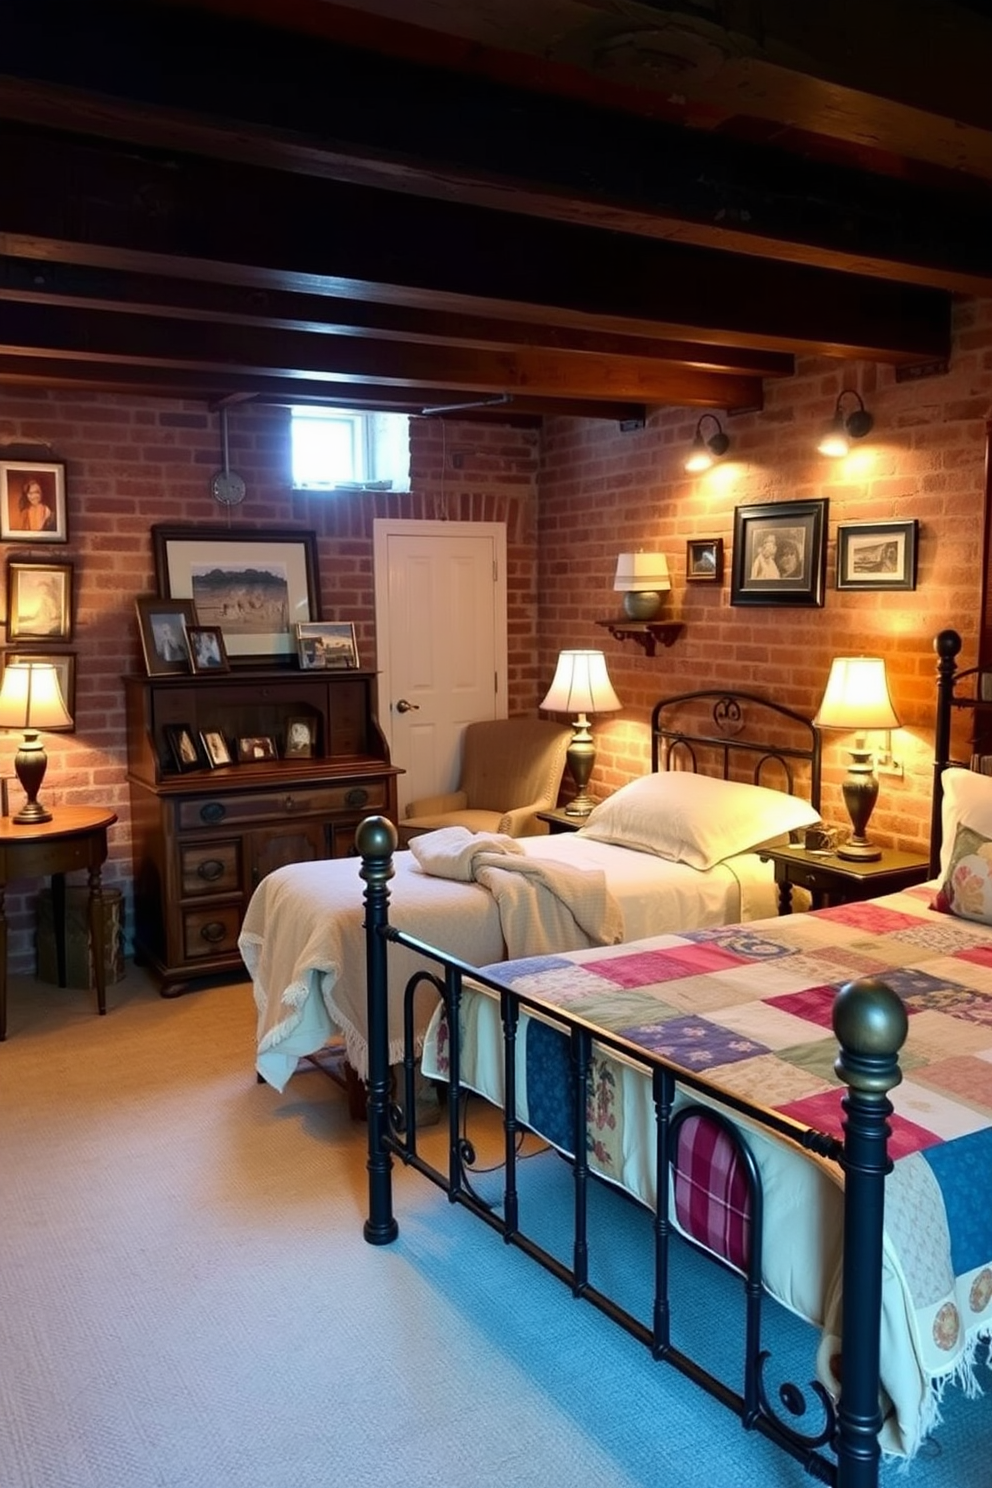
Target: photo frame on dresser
{"type": "Point", "coordinates": [255, 584]}
{"type": "Point", "coordinates": [162, 624]}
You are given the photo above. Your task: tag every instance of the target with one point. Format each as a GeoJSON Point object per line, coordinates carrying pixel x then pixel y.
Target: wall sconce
{"type": "Point", "coordinates": [31, 699]}
{"type": "Point", "coordinates": [837, 436]}
{"type": "Point", "coordinates": [705, 451]}
{"type": "Point", "coordinates": [642, 578]}
{"type": "Point", "coordinates": [857, 698]}
{"type": "Point", "coordinates": [581, 685]}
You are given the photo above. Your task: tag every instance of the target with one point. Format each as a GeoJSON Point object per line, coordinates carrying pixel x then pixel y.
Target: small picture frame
{"type": "Point", "coordinates": [704, 560]}
{"type": "Point", "coordinates": [300, 738]}
{"type": "Point", "coordinates": [163, 624]}
{"type": "Point", "coordinates": [216, 748]}
{"type": "Point", "coordinates": [780, 551]}
{"type": "Point", "coordinates": [207, 652]}
{"type": "Point", "coordinates": [182, 744]}
{"type": "Point", "coordinates": [324, 646]}
{"type": "Point", "coordinates": [256, 748]}
{"type": "Point", "coordinates": [876, 555]}
{"type": "Point", "coordinates": [32, 502]}
{"type": "Point", "coordinates": [39, 601]}
{"type": "Point", "coordinates": [64, 663]}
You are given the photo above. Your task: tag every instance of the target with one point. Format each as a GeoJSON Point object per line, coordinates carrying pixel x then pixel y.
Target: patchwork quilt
{"type": "Point", "coordinates": [749, 1006]}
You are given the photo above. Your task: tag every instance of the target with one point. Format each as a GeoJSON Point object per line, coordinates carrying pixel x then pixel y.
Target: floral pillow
{"type": "Point", "coordinates": [966, 889]}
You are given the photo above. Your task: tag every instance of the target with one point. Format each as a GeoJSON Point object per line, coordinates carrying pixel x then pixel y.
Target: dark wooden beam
{"type": "Point", "coordinates": [140, 340]}
{"type": "Point", "coordinates": [29, 281]}
{"type": "Point", "coordinates": [215, 388]}
{"type": "Point", "coordinates": [100, 205]}
{"type": "Point", "coordinates": [230, 88]}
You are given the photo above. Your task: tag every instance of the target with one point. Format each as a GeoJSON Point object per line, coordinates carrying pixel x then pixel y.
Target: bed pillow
{"type": "Point", "coordinates": [695, 819]}
{"type": "Point", "coordinates": [966, 888]}
{"type": "Point", "coordinates": [967, 802]}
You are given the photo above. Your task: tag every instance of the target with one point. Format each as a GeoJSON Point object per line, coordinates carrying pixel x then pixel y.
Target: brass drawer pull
{"type": "Point", "coordinates": [213, 931]}
{"type": "Point", "coordinates": [212, 812]}
{"type": "Point", "coordinates": [211, 869]}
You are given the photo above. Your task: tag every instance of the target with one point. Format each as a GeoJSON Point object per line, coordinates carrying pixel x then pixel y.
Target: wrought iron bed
{"type": "Point", "coordinates": [870, 1024]}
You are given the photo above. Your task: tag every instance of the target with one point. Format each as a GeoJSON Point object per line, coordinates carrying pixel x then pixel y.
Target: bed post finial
{"type": "Point", "coordinates": [376, 840]}
{"type": "Point", "coordinates": [870, 1022]}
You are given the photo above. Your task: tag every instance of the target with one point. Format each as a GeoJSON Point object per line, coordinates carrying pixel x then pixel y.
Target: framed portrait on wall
{"type": "Point", "coordinates": [39, 601]}
{"type": "Point", "coordinates": [32, 502]}
{"type": "Point", "coordinates": [780, 552]}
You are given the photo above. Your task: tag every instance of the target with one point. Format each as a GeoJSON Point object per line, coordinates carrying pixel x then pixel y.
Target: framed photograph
{"type": "Point", "coordinates": [207, 652]}
{"type": "Point", "coordinates": [182, 743]}
{"type": "Point", "coordinates": [300, 738]}
{"type": "Point", "coordinates": [329, 645]}
{"type": "Point", "coordinates": [32, 502]}
{"type": "Point", "coordinates": [39, 601]}
{"type": "Point", "coordinates": [704, 560]}
{"type": "Point", "coordinates": [876, 555]}
{"type": "Point", "coordinates": [215, 748]}
{"type": "Point", "coordinates": [254, 585]}
{"type": "Point", "coordinates": [255, 747]}
{"type": "Point", "coordinates": [780, 552]}
{"type": "Point", "coordinates": [64, 663]}
{"type": "Point", "coordinates": [163, 624]}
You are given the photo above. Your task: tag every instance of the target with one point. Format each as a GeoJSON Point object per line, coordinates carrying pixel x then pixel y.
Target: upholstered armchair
{"type": "Point", "coordinates": [511, 769]}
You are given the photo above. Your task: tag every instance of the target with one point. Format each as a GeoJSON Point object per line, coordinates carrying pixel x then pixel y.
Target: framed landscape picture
{"type": "Point", "coordinates": [255, 585]}
{"type": "Point", "coordinates": [876, 555]}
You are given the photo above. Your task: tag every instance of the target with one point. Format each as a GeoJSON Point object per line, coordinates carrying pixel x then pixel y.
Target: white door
{"type": "Point", "coordinates": [440, 610]}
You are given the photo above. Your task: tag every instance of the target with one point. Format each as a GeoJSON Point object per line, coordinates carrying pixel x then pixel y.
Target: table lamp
{"type": "Point", "coordinates": [642, 578]}
{"type": "Point", "coordinates": [31, 699]}
{"type": "Point", "coordinates": [581, 685]}
{"type": "Point", "coordinates": [857, 698]}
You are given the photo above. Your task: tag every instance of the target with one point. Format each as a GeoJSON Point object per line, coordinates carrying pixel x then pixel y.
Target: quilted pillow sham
{"type": "Point", "coordinates": [967, 802]}
{"type": "Point", "coordinates": [695, 819]}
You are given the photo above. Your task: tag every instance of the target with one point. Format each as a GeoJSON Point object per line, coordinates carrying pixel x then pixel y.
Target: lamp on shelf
{"type": "Point", "coordinates": [581, 685]}
{"type": "Point", "coordinates": [857, 699]}
{"type": "Point", "coordinates": [842, 428]}
{"type": "Point", "coordinates": [705, 452]}
{"type": "Point", "coordinates": [642, 578]}
{"type": "Point", "coordinates": [31, 699]}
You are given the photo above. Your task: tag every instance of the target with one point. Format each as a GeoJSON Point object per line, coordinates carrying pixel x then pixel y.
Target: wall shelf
{"type": "Point", "coordinates": [646, 633]}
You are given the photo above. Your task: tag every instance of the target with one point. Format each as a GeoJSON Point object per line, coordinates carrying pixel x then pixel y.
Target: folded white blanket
{"type": "Point", "coordinates": [543, 906]}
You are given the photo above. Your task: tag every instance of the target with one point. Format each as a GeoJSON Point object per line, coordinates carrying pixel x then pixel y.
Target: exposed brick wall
{"type": "Point", "coordinates": [134, 462]}
{"type": "Point", "coordinates": [604, 492]}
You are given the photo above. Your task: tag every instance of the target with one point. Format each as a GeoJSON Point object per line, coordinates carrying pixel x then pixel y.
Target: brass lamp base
{"type": "Point", "coordinates": [30, 764]}
{"type": "Point", "coordinates": [581, 756]}
{"type": "Point", "coordinates": [860, 789]}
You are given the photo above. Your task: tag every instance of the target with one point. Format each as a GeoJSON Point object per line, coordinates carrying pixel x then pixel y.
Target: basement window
{"type": "Point", "coordinates": [337, 449]}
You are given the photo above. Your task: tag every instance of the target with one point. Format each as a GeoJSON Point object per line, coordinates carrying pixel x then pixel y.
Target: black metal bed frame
{"type": "Point", "coordinates": [870, 1023]}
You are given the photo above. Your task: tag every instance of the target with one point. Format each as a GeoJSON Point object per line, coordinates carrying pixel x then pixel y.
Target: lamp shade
{"type": "Point", "coordinates": [637, 571]}
{"type": "Point", "coordinates": [857, 696]}
{"type": "Point", "coordinates": [581, 684]}
{"type": "Point", "coordinates": [31, 698]}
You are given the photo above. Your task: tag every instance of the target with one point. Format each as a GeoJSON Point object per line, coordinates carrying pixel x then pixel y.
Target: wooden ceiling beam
{"type": "Point", "coordinates": [303, 104]}
{"type": "Point", "coordinates": [32, 282]}
{"type": "Point", "coordinates": [102, 205]}
{"type": "Point", "coordinates": [139, 340]}
{"type": "Point", "coordinates": [215, 388]}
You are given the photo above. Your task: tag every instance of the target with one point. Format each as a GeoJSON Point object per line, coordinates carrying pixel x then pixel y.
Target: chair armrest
{"type": "Point", "coordinates": [437, 805]}
{"type": "Point", "coordinates": [522, 820]}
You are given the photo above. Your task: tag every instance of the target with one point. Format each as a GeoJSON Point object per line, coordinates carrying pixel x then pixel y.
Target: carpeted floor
{"type": "Point", "coordinates": [186, 1300]}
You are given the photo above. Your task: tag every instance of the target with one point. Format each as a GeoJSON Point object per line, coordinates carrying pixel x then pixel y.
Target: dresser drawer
{"type": "Point", "coordinates": [210, 868]}
{"type": "Point", "coordinates": [211, 932]}
{"type": "Point", "coordinates": [273, 805]}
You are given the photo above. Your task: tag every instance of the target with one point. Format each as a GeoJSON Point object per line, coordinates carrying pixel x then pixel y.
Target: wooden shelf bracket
{"type": "Point", "coordinates": [646, 633]}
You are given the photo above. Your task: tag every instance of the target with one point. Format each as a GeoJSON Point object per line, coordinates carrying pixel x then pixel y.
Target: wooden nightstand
{"type": "Point", "coordinates": [560, 821]}
{"type": "Point", "coordinates": [833, 880]}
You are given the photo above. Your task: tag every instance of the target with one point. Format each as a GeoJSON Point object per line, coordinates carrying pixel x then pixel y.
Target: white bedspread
{"type": "Point", "coordinates": [303, 940]}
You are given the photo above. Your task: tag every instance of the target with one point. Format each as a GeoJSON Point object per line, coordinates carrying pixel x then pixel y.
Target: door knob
{"type": "Point", "coordinates": [404, 707]}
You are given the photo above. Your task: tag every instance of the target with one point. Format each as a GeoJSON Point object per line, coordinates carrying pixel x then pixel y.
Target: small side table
{"type": "Point", "coordinates": [558, 820]}
{"type": "Point", "coordinates": [833, 880]}
{"type": "Point", "coordinates": [76, 837]}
